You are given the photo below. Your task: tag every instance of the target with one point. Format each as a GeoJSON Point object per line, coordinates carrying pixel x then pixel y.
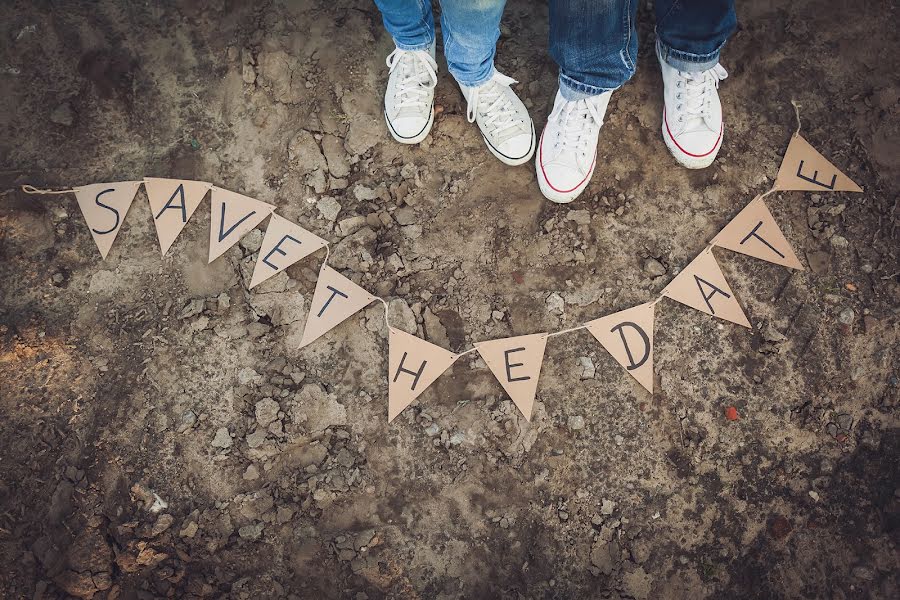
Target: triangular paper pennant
{"type": "Point", "coordinates": [803, 168]}
{"type": "Point", "coordinates": [702, 285]}
{"type": "Point", "coordinates": [104, 206]}
{"type": "Point", "coordinates": [413, 365]}
{"type": "Point", "coordinates": [516, 363]}
{"type": "Point", "coordinates": [172, 203]}
{"type": "Point", "coordinates": [285, 243]}
{"type": "Point", "coordinates": [232, 216]}
{"type": "Point", "coordinates": [335, 299]}
{"type": "Point", "coordinates": [628, 336]}
{"type": "Point", "coordinates": [755, 233]}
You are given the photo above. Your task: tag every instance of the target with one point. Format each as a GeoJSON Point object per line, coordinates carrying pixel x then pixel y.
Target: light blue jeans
{"type": "Point", "coordinates": [471, 29]}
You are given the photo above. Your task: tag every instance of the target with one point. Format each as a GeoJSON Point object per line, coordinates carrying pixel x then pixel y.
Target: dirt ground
{"type": "Point", "coordinates": [161, 435]}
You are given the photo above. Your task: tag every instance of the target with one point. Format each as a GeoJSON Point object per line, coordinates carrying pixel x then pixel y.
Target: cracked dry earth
{"type": "Point", "coordinates": [161, 435]}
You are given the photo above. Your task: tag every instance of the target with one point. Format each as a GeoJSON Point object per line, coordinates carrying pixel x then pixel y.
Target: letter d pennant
{"type": "Point", "coordinates": [413, 365]}
{"type": "Point", "coordinates": [336, 298]}
{"type": "Point", "coordinates": [628, 336]}
{"type": "Point", "coordinates": [516, 363]}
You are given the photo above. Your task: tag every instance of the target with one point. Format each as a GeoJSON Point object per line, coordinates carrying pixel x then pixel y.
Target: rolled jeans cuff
{"type": "Point", "coordinates": [573, 90]}
{"type": "Point", "coordinates": [423, 45]}
{"type": "Point", "coordinates": [687, 61]}
{"type": "Point", "coordinates": [474, 83]}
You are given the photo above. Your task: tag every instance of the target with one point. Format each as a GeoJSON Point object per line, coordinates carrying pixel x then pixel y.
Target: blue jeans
{"type": "Point", "coordinates": [594, 42]}
{"type": "Point", "coordinates": [471, 29]}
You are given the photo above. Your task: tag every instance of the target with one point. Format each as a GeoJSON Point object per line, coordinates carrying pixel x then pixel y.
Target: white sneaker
{"type": "Point", "coordinates": [502, 118]}
{"type": "Point", "coordinates": [692, 124]}
{"type": "Point", "coordinates": [567, 153]}
{"type": "Point", "coordinates": [409, 99]}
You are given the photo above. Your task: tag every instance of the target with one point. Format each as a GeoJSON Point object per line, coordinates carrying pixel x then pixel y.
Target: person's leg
{"type": "Point", "coordinates": [689, 37]}
{"type": "Point", "coordinates": [594, 42]}
{"type": "Point", "coordinates": [471, 29]}
{"type": "Point", "coordinates": [409, 98]}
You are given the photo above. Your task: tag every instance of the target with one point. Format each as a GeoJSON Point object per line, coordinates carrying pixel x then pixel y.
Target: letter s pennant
{"type": "Point", "coordinates": [628, 336]}
{"type": "Point", "coordinates": [104, 206]}
{"type": "Point", "coordinates": [516, 363]}
{"type": "Point", "coordinates": [413, 365]}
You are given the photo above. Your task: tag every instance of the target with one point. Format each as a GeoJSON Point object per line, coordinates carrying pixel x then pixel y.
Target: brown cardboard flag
{"type": "Point", "coordinates": [335, 299]}
{"type": "Point", "coordinates": [701, 285]}
{"type": "Point", "coordinates": [628, 336]}
{"type": "Point", "coordinates": [803, 168]}
{"type": "Point", "coordinates": [413, 365]}
{"type": "Point", "coordinates": [173, 202]}
{"type": "Point", "coordinates": [232, 216]}
{"type": "Point", "coordinates": [104, 206]}
{"type": "Point", "coordinates": [285, 243]}
{"type": "Point", "coordinates": [755, 233]}
{"type": "Point", "coordinates": [516, 363]}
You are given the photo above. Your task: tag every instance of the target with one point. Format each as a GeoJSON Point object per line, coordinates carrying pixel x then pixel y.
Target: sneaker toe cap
{"type": "Point", "coordinates": [408, 126]}
{"type": "Point", "coordinates": [698, 143]}
{"type": "Point", "coordinates": [516, 147]}
{"type": "Point", "coordinates": [562, 178]}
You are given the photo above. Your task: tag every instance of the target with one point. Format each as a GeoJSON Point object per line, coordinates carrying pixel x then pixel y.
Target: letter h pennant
{"type": "Point", "coordinates": [413, 365]}
{"type": "Point", "coordinates": [628, 336]}
{"type": "Point", "coordinates": [516, 363]}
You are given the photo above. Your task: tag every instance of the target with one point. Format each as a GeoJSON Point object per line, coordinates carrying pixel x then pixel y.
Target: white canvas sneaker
{"type": "Point", "coordinates": [409, 99]}
{"type": "Point", "coordinates": [502, 118]}
{"type": "Point", "coordinates": [692, 124]}
{"type": "Point", "coordinates": [567, 153]}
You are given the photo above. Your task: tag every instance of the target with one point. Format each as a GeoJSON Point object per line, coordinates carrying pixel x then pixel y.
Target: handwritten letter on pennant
{"type": "Point", "coordinates": [628, 336]}
{"type": "Point", "coordinates": [516, 363]}
{"type": "Point", "coordinates": [285, 243]}
{"type": "Point", "coordinates": [755, 233]}
{"type": "Point", "coordinates": [701, 285]}
{"type": "Point", "coordinates": [173, 202]}
{"type": "Point", "coordinates": [104, 206]}
{"type": "Point", "coordinates": [232, 216]}
{"type": "Point", "coordinates": [413, 365]}
{"type": "Point", "coordinates": [336, 298]}
{"type": "Point", "coordinates": [803, 168]}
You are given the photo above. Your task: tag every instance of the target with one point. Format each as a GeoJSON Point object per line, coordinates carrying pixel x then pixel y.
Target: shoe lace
{"type": "Point", "coordinates": [576, 119]}
{"type": "Point", "coordinates": [498, 115]}
{"type": "Point", "coordinates": [696, 92]}
{"type": "Point", "coordinates": [417, 77]}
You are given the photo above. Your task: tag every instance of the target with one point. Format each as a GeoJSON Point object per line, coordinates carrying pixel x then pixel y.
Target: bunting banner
{"type": "Point", "coordinates": [285, 243]}
{"type": "Point", "coordinates": [701, 285]}
{"type": "Point", "coordinates": [628, 337]}
{"type": "Point", "coordinates": [172, 203]}
{"type": "Point", "coordinates": [232, 216]}
{"type": "Point", "coordinates": [516, 363]}
{"type": "Point", "coordinates": [104, 206]}
{"type": "Point", "coordinates": [413, 365]}
{"type": "Point", "coordinates": [754, 232]}
{"type": "Point", "coordinates": [804, 169]}
{"type": "Point", "coordinates": [336, 298]}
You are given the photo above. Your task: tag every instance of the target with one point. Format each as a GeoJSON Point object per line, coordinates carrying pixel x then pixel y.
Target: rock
{"type": "Point", "coordinates": [401, 316]}
{"type": "Point", "coordinates": [252, 241]}
{"type": "Point", "coordinates": [457, 438]}
{"type": "Point", "coordinates": [818, 262]}
{"type": "Point", "coordinates": [251, 473]}
{"type": "Point", "coordinates": [607, 507]}
{"type": "Point", "coordinates": [304, 152]}
{"type": "Point", "coordinates": [847, 316]}
{"type": "Point", "coordinates": [266, 411]}
{"type": "Point", "coordinates": [587, 367]}
{"type": "Point", "coordinates": [193, 308]}
{"type": "Point", "coordinates": [335, 156]}
{"type": "Point", "coordinates": [316, 409]}
{"type": "Point", "coordinates": [432, 430]}
{"type": "Point", "coordinates": [844, 421]}
{"type": "Point", "coordinates": [654, 268]}
{"type": "Point", "coordinates": [222, 438]}
{"type": "Point", "coordinates": [862, 572]}
{"type": "Point", "coordinates": [581, 217]}
{"type": "Point", "coordinates": [405, 216]}
{"type": "Point", "coordinates": [163, 522]}
{"type": "Point", "coordinates": [188, 420]}
{"type": "Point", "coordinates": [363, 193]}
{"type": "Point", "coordinates": [251, 532]}
{"type": "Point", "coordinates": [351, 225]}
{"type": "Point", "coordinates": [257, 438]}
{"type": "Point", "coordinates": [355, 251]}
{"type": "Point", "coordinates": [637, 584]}
{"type": "Point", "coordinates": [839, 241]}
{"type": "Point", "coordinates": [772, 335]}
{"type": "Point", "coordinates": [189, 530]}
{"type": "Point", "coordinates": [63, 115]}
{"type": "Point", "coordinates": [276, 72]}
{"type": "Point", "coordinates": [602, 556]}
{"type": "Point", "coordinates": [576, 423]}
{"type": "Point", "coordinates": [555, 304]}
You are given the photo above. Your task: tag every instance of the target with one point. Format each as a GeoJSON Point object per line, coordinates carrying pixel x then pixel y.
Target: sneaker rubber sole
{"type": "Point", "coordinates": [555, 195]}
{"type": "Point", "coordinates": [509, 160]}
{"type": "Point", "coordinates": [686, 159]}
{"type": "Point", "coordinates": [415, 139]}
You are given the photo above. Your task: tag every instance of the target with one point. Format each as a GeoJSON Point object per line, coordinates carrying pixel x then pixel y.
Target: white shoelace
{"type": "Point", "coordinates": [576, 120]}
{"type": "Point", "coordinates": [695, 94]}
{"type": "Point", "coordinates": [417, 77]}
{"type": "Point", "coordinates": [498, 115]}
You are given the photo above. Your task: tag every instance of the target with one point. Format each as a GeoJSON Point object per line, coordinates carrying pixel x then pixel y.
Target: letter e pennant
{"type": "Point", "coordinates": [628, 336]}
{"type": "Point", "coordinates": [336, 298]}
{"type": "Point", "coordinates": [232, 216]}
{"type": "Point", "coordinates": [285, 243]}
{"type": "Point", "coordinates": [516, 363]}
{"type": "Point", "coordinates": [413, 365]}
{"type": "Point", "coordinates": [803, 168]}
{"type": "Point", "coordinates": [755, 233]}
{"type": "Point", "coordinates": [701, 285]}
{"type": "Point", "coordinates": [104, 206]}
{"type": "Point", "coordinates": [173, 202]}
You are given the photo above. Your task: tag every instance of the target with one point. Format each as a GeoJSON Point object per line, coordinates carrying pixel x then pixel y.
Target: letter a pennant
{"type": "Point", "coordinates": [104, 206]}
{"type": "Point", "coordinates": [232, 216]}
{"type": "Point", "coordinates": [336, 298]}
{"type": "Point", "coordinates": [628, 336]}
{"type": "Point", "coordinates": [803, 168]}
{"type": "Point", "coordinates": [701, 285]}
{"type": "Point", "coordinates": [285, 243]}
{"type": "Point", "coordinates": [413, 365]}
{"type": "Point", "coordinates": [755, 233]}
{"type": "Point", "coordinates": [516, 363]}
{"type": "Point", "coordinates": [173, 202]}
